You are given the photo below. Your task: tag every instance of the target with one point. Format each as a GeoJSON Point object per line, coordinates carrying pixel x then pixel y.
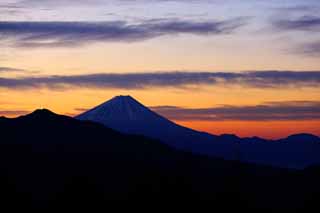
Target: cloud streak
{"type": "Point", "coordinates": [13, 112]}
{"type": "Point", "coordinates": [11, 69]}
{"type": "Point", "coordinates": [304, 23]}
{"type": "Point", "coordinates": [55, 34]}
{"type": "Point", "coordinates": [270, 111]}
{"type": "Point", "coordinates": [257, 79]}
{"type": "Point", "coordinates": [59, 3]}
{"type": "Point", "coordinates": [309, 49]}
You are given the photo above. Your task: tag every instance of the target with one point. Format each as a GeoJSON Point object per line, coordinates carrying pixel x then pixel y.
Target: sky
{"type": "Point", "coordinates": [249, 67]}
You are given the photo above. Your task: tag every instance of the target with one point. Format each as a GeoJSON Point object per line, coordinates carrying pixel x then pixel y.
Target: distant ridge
{"type": "Point", "coordinates": [52, 162]}
{"type": "Point", "coordinates": [42, 113]}
{"type": "Point", "coordinates": [127, 115]}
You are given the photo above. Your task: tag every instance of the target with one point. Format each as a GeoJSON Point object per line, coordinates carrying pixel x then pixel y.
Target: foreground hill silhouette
{"type": "Point", "coordinates": [53, 162]}
{"type": "Point", "coordinates": [127, 115]}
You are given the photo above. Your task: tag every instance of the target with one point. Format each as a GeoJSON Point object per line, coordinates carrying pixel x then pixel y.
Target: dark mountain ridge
{"type": "Point", "coordinates": [127, 115]}
{"type": "Point", "coordinates": [52, 162]}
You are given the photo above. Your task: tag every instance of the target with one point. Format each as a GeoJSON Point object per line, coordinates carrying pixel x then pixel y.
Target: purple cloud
{"type": "Point", "coordinates": [55, 34]}
{"type": "Point", "coordinates": [256, 79]}
{"type": "Point", "coordinates": [291, 110]}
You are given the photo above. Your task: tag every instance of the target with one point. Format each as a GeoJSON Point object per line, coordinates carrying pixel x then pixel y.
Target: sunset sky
{"type": "Point", "coordinates": [250, 68]}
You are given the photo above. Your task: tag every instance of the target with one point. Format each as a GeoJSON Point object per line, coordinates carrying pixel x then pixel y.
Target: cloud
{"type": "Point", "coordinates": [13, 112]}
{"type": "Point", "coordinates": [81, 109]}
{"type": "Point", "coordinates": [59, 3]}
{"type": "Point", "coordinates": [307, 24]}
{"type": "Point", "coordinates": [10, 69]}
{"type": "Point", "coordinates": [270, 111]}
{"type": "Point", "coordinates": [6, 70]}
{"type": "Point", "coordinates": [304, 23]}
{"type": "Point", "coordinates": [10, 9]}
{"type": "Point", "coordinates": [55, 34]}
{"type": "Point", "coordinates": [308, 49]}
{"type": "Point", "coordinates": [254, 79]}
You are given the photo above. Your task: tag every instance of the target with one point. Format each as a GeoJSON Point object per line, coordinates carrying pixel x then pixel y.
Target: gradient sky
{"type": "Point", "coordinates": [223, 66]}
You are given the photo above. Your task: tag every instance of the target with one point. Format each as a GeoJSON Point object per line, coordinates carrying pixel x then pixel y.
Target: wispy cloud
{"type": "Point", "coordinates": [270, 111]}
{"type": "Point", "coordinates": [257, 79]}
{"type": "Point", "coordinates": [310, 26]}
{"type": "Point", "coordinates": [55, 34]}
{"type": "Point", "coordinates": [308, 49]}
{"type": "Point", "coordinates": [59, 3]}
{"type": "Point", "coordinates": [11, 69]}
{"type": "Point", "coordinates": [304, 23]}
{"type": "Point", "coordinates": [13, 112]}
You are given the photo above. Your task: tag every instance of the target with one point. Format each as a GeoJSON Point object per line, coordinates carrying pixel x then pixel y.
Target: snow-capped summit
{"type": "Point", "coordinates": [127, 115]}
{"type": "Point", "coordinates": [118, 108]}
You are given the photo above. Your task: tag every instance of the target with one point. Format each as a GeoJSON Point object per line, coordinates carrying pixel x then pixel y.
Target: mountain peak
{"type": "Point", "coordinates": [123, 100]}
{"type": "Point", "coordinates": [120, 109]}
{"type": "Point", "coordinates": [42, 113]}
{"type": "Point", "coordinates": [126, 114]}
{"type": "Point", "coordinates": [303, 137]}
{"type": "Point", "coordinates": [122, 97]}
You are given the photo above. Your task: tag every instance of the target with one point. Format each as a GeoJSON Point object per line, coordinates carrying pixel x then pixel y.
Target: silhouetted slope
{"type": "Point", "coordinates": [125, 114]}
{"type": "Point", "coordinates": [54, 162]}
{"type": "Point", "coordinates": [48, 160]}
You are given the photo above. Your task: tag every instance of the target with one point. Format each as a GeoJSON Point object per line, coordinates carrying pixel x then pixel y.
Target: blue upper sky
{"type": "Point", "coordinates": [296, 21]}
{"type": "Point", "coordinates": [186, 53]}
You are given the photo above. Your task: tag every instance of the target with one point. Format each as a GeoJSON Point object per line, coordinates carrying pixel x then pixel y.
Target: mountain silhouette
{"type": "Point", "coordinates": [127, 115]}
{"type": "Point", "coordinates": [53, 162]}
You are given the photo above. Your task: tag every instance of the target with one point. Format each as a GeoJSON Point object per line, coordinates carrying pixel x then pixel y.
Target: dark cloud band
{"type": "Point", "coordinates": [305, 23]}
{"type": "Point", "coordinates": [276, 111]}
{"type": "Point", "coordinates": [261, 79]}
{"type": "Point", "coordinates": [55, 34]}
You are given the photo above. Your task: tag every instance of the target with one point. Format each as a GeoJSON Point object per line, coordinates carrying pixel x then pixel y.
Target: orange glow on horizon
{"type": "Point", "coordinates": [263, 129]}
{"type": "Point", "coordinates": [69, 102]}
{"type": "Point", "coordinates": [267, 129]}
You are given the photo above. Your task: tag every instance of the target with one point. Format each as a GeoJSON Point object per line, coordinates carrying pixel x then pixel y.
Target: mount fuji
{"type": "Point", "coordinates": [127, 115]}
